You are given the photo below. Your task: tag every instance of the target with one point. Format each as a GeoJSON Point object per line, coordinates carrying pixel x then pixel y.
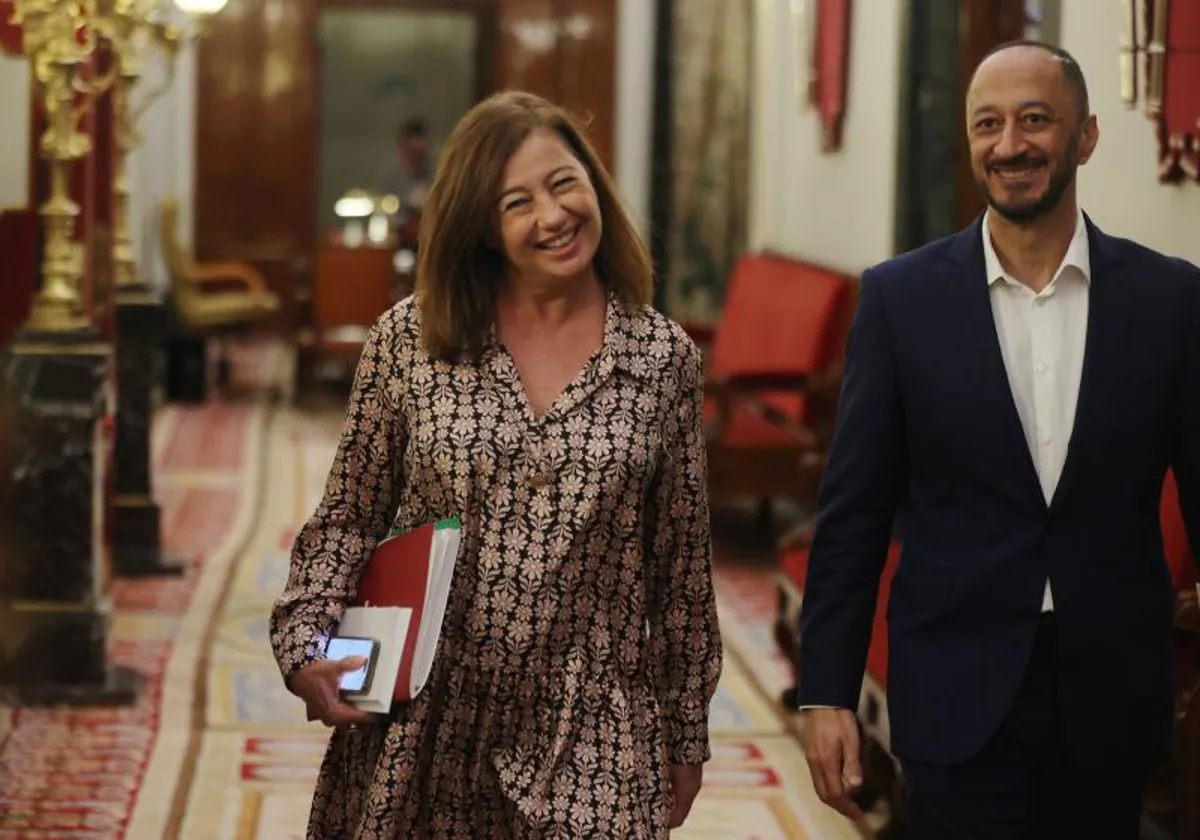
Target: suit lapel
{"type": "Point", "coordinates": [965, 287]}
{"type": "Point", "coordinates": [1109, 313]}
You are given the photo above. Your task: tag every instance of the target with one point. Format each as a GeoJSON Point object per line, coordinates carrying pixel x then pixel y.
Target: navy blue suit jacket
{"type": "Point", "coordinates": [927, 431]}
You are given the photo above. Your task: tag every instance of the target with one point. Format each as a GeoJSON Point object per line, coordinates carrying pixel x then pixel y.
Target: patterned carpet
{"type": "Point", "coordinates": [80, 773]}
{"type": "Point", "coordinates": [217, 749]}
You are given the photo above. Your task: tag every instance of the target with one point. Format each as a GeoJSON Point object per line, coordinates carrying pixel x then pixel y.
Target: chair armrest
{"type": "Point", "coordinates": [760, 381]}
{"type": "Point", "coordinates": [750, 380]}
{"type": "Point", "coordinates": [740, 390]}
{"type": "Point", "coordinates": [702, 334]}
{"type": "Point", "coordinates": [1187, 612]}
{"type": "Point", "coordinates": [226, 272]}
{"type": "Point", "coordinates": [799, 537]}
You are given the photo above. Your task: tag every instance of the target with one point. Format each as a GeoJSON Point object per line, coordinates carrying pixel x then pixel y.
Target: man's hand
{"type": "Point", "coordinates": [685, 784]}
{"type": "Point", "coordinates": [317, 686]}
{"type": "Point", "coordinates": [831, 745]}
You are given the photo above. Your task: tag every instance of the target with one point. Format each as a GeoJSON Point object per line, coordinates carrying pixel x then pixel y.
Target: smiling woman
{"type": "Point", "coordinates": [517, 167]}
{"type": "Point", "coordinates": [528, 388]}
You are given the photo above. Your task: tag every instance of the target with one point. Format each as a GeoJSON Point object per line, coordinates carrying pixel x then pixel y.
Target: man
{"type": "Point", "coordinates": [409, 175]}
{"type": "Point", "coordinates": [1014, 394]}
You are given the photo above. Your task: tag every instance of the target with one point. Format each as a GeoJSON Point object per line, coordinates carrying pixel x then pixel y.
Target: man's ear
{"type": "Point", "coordinates": [1088, 139]}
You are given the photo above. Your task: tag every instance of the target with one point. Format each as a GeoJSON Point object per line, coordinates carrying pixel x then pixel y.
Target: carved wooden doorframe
{"type": "Point", "coordinates": [946, 39]}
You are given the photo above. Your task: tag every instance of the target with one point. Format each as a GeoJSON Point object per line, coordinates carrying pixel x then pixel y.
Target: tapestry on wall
{"type": "Point", "coordinates": [1181, 93]}
{"type": "Point", "coordinates": [1161, 44]}
{"type": "Point", "coordinates": [711, 160]}
{"type": "Point", "coordinates": [11, 40]}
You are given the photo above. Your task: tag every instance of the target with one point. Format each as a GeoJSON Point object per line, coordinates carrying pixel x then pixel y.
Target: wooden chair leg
{"type": "Point", "coordinates": [1187, 784]}
{"type": "Point", "coordinates": [224, 372]}
{"type": "Point", "coordinates": [221, 367]}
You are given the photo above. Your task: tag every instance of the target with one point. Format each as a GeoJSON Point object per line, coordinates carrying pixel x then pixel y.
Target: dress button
{"type": "Point", "coordinates": [538, 480]}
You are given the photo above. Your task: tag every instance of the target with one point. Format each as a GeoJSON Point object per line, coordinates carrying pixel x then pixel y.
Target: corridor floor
{"type": "Point", "coordinates": [216, 748]}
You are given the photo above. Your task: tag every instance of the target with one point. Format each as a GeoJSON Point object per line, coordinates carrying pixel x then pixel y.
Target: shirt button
{"type": "Point", "coordinates": [538, 480]}
{"type": "Point", "coordinates": [1041, 367]}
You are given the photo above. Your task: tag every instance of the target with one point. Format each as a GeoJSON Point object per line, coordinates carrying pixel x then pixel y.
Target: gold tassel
{"type": "Point", "coordinates": [1129, 53]}
{"type": "Point", "coordinates": [1156, 58]}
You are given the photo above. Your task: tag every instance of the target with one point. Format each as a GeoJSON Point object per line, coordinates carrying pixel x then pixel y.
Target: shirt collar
{"type": "Point", "coordinates": [1078, 254]}
{"type": "Point", "coordinates": [626, 331]}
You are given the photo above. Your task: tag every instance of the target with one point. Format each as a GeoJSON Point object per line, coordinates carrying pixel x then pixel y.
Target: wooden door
{"type": "Point", "coordinates": [947, 40]}
{"type": "Point", "coordinates": [256, 141]}
{"type": "Point", "coordinates": [983, 24]}
{"type": "Point", "coordinates": [564, 50]}
{"type": "Point", "coordinates": [587, 68]}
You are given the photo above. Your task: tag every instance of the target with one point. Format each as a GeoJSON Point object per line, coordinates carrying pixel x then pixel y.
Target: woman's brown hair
{"type": "Point", "coordinates": [461, 264]}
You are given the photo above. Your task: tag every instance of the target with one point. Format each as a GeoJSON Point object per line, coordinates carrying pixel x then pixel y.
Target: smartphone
{"type": "Point", "coordinates": [339, 647]}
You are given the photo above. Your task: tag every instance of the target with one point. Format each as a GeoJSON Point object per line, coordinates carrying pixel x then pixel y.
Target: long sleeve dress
{"type": "Point", "coordinates": [580, 648]}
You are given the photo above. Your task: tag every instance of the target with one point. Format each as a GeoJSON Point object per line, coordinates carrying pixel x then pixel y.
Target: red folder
{"type": "Point", "coordinates": [397, 575]}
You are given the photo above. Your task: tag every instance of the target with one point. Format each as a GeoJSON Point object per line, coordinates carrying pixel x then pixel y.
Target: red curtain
{"type": "Point", "coordinates": [1180, 122]}
{"type": "Point", "coordinates": [830, 67]}
{"type": "Point", "coordinates": [10, 33]}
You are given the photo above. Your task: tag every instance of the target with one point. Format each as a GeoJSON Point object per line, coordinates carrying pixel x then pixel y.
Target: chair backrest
{"type": "Point", "coordinates": [352, 286]}
{"type": "Point", "coordinates": [179, 262]}
{"type": "Point", "coordinates": [781, 316]}
{"type": "Point", "coordinates": [1175, 539]}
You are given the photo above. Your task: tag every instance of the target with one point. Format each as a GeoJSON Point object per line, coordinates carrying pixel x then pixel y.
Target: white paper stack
{"type": "Point", "coordinates": [390, 626]}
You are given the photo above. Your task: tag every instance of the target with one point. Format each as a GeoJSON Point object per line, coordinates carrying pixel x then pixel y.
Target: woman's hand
{"type": "Point", "coordinates": [685, 784]}
{"type": "Point", "coordinates": [317, 686]}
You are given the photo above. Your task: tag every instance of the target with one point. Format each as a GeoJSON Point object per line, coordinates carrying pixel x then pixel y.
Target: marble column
{"type": "Point", "coordinates": [60, 392]}
{"type": "Point", "coordinates": [137, 532]}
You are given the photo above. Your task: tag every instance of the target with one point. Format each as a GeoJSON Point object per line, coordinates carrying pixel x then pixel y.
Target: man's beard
{"type": "Point", "coordinates": [1026, 209]}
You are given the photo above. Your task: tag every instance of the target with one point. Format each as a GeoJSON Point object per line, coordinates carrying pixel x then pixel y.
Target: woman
{"type": "Point", "coordinates": [528, 388]}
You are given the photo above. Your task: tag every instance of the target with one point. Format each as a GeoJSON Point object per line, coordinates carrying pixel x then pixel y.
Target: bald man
{"type": "Point", "coordinates": [1014, 395]}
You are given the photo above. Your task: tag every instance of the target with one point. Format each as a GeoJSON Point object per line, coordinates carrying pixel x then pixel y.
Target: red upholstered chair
{"type": "Point", "coordinates": [882, 794]}
{"type": "Point", "coordinates": [1175, 540]}
{"type": "Point", "coordinates": [1176, 789]}
{"type": "Point", "coordinates": [793, 569]}
{"type": "Point", "coordinates": [774, 369]}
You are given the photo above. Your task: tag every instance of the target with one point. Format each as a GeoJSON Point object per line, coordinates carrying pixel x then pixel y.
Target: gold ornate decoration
{"type": "Point", "coordinates": [59, 40]}
{"type": "Point", "coordinates": [133, 28]}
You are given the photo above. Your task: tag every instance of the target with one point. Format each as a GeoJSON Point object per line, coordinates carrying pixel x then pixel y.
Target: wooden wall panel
{"type": "Point", "coordinates": [588, 43]}
{"type": "Point", "coordinates": [983, 24]}
{"type": "Point", "coordinates": [256, 140]}
{"type": "Point", "coordinates": [527, 55]}
{"type": "Point", "coordinates": [564, 50]}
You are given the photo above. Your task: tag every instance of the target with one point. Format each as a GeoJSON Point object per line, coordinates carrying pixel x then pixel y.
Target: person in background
{"type": "Point", "coordinates": [1016, 393]}
{"type": "Point", "coordinates": [409, 174]}
{"type": "Point", "coordinates": [529, 388]}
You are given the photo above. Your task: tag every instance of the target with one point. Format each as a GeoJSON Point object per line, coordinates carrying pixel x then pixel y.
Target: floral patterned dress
{"type": "Point", "coordinates": [580, 648]}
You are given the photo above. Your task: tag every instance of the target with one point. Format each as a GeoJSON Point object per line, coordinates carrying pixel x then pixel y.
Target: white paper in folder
{"type": "Point", "coordinates": [389, 625]}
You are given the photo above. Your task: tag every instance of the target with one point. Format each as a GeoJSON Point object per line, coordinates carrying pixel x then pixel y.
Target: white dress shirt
{"type": "Point", "coordinates": [1042, 337]}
